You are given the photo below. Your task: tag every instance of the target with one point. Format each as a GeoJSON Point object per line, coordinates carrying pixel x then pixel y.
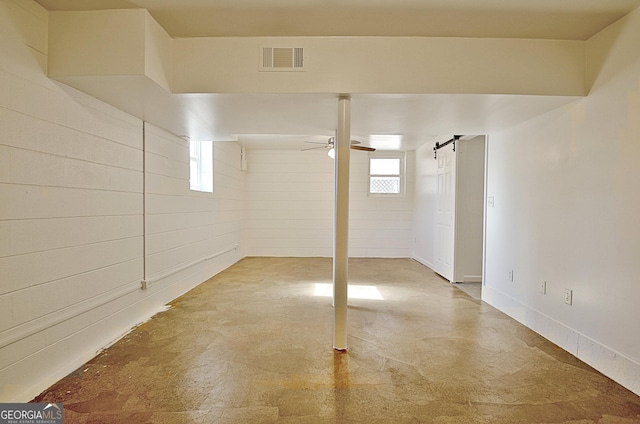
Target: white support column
{"type": "Point", "coordinates": [341, 223]}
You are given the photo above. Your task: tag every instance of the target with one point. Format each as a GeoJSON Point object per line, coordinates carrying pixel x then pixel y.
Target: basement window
{"type": "Point", "coordinates": [386, 175]}
{"type": "Point", "coordinates": [201, 166]}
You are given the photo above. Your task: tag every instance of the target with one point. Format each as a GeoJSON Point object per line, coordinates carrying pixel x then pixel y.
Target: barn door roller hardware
{"type": "Point", "coordinates": [446, 143]}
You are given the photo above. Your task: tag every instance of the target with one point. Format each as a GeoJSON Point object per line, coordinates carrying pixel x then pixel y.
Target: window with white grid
{"type": "Point", "coordinates": [386, 175]}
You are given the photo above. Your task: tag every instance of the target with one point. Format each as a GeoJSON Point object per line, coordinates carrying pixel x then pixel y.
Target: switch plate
{"type": "Point", "coordinates": [543, 287]}
{"type": "Point", "coordinates": [490, 201]}
{"type": "Point", "coordinates": [568, 296]}
{"type": "Point", "coordinates": [511, 276]}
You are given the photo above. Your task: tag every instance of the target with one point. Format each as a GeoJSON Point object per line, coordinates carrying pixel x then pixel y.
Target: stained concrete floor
{"type": "Point", "coordinates": [472, 289]}
{"type": "Point", "coordinates": [253, 345]}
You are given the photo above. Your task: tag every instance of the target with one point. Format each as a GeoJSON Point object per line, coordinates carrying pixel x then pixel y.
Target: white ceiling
{"type": "Point", "coordinates": [551, 19]}
{"type": "Point", "coordinates": [288, 121]}
{"type": "Point", "coordinates": [387, 122]}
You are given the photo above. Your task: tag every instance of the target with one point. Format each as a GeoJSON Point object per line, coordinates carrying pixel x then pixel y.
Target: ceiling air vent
{"type": "Point", "coordinates": [282, 59]}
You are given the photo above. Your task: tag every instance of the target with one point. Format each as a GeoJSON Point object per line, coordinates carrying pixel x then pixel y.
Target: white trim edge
{"type": "Point", "coordinates": [614, 365]}
{"type": "Point", "coordinates": [422, 261]}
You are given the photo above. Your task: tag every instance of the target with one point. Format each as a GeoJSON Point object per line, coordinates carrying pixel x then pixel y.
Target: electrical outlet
{"type": "Point", "coordinates": [543, 287]}
{"type": "Point", "coordinates": [511, 276]}
{"type": "Point", "coordinates": [568, 296]}
{"type": "Point", "coordinates": [145, 284]}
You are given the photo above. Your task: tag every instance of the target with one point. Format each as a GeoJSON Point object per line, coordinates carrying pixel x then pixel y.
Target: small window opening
{"type": "Point", "coordinates": [385, 175]}
{"type": "Point", "coordinates": [201, 165]}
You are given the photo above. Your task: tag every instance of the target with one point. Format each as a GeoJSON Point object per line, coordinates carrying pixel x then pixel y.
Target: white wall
{"type": "Point", "coordinates": [190, 235]}
{"type": "Point", "coordinates": [380, 226]}
{"type": "Point", "coordinates": [289, 203]}
{"type": "Point", "coordinates": [71, 215]}
{"type": "Point", "coordinates": [566, 211]}
{"type": "Point", "coordinates": [290, 207]}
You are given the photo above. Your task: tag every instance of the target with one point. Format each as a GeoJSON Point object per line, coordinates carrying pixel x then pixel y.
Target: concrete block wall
{"type": "Point", "coordinates": [289, 203]}
{"type": "Point", "coordinates": [290, 207]}
{"type": "Point", "coordinates": [380, 226]}
{"type": "Point", "coordinates": [190, 235]}
{"type": "Point", "coordinates": [72, 216]}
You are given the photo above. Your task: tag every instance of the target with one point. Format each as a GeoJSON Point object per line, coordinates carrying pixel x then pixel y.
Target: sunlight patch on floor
{"type": "Point", "coordinates": [355, 291]}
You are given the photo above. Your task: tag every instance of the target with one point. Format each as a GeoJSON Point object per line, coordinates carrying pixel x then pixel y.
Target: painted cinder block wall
{"type": "Point", "coordinates": [290, 207]}
{"type": "Point", "coordinates": [72, 252]}
{"type": "Point", "coordinates": [185, 226]}
{"type": "Point", "coordinates": [70, 214]}
{"type": "Point", "coordinates": [289, 203]}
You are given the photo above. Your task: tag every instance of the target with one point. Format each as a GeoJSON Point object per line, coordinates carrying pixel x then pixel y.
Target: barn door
{"type": "Point", "coordinates": [445, 212]}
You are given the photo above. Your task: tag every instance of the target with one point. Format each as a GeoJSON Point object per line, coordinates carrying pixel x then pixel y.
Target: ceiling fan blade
{"type": "Point", "coordinates": [364, 148]}
{"type": "Point", "coordinates": [354, 144]}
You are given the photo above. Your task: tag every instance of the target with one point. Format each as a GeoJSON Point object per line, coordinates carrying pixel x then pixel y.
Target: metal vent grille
{"type": "Point", "coordinates": [282, 59]}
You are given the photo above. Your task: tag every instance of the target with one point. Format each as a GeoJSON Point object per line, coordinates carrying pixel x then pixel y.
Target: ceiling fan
{"type": "Point", "coordinates": [355, 145]}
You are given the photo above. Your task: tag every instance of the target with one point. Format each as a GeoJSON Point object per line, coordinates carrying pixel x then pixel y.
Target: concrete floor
{"type": "Point", "coordinates": [253, 345]}
{"type": "Point", "coordinates": [472, 289]}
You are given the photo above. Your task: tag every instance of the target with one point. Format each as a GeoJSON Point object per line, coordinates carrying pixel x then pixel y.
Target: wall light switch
{"type": "Point", "coordinates": [543, 287]}
{"type": "Point", "coordinates": [568, 296]}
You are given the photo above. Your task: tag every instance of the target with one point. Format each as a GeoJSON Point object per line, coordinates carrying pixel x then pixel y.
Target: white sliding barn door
{"type": "Point", "coordinates": [445, 212]}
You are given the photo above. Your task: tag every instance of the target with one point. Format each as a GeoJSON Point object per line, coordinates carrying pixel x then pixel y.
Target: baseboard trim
{"type": "Point", "coordinates": [119, 324]}
{"type": "Point", "coordinates": [614, 365]}
{"type": "Point", "coordinates": [47, 321]}
{"type": "Point", "coordinates": [422, 261]}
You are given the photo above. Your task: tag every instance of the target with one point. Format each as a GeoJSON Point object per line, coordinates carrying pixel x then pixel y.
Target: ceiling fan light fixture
{"type": "Point", "coordinates": [332, 153]}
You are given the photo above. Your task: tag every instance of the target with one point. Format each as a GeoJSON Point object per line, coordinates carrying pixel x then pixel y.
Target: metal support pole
{"type": "Point", "coordinates": [341, 223]}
